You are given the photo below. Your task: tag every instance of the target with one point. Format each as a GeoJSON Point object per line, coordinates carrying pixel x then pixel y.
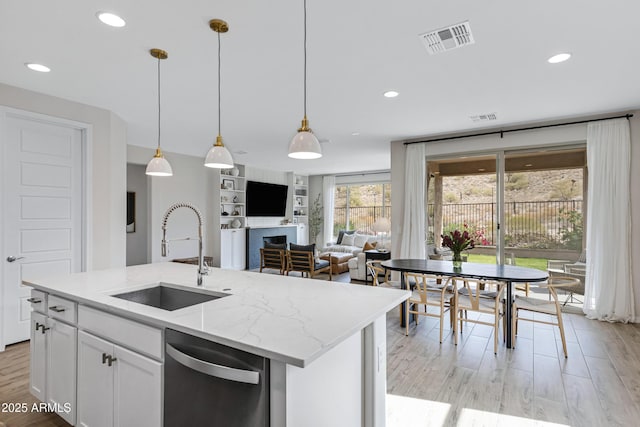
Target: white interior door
{"type": "Point", "coordinates": [42, 210]}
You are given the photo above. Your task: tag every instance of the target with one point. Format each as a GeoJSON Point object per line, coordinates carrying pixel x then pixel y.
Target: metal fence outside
{"type": "Point", "coordinates": [542, 224]}
{"type": "Point", "coordinates": [360, 218]}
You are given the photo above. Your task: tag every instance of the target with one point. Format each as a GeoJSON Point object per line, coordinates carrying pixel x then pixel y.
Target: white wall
{"type": "Point", "coordinates": [107, 164]}
{"type": "Point", "coordinates": [520, 140]}
{"type": "Point", "coordinates": [137, 241]}
{"type": "Point", "coordinates": [191, 183]}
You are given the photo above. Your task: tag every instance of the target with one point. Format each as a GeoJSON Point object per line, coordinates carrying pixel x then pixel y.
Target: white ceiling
{"type": "Point", "coordinates": [356, 50]}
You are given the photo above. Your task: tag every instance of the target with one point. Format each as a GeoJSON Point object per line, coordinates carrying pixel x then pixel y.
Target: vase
{"type": "Point", "coordinates": [457, 260]}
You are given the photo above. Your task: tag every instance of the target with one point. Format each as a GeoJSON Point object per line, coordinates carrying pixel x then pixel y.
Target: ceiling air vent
{"type": "Point", "coordinates": [447, 38]}
{"type": "Point", "coordinates": [489, 117]}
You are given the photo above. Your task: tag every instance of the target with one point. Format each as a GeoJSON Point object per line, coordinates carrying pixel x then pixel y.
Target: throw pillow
{"type": "Point", "coordinates": [268, 245]}
{"type": "Point", "coordinates": [361, 239]}
{"type": "Point", "coordinates": [341, 234]}
{"type": "Point", "coordinates": [368, 246]}
{"type": "Point", "coordinates": [348, 239]}
{"type": "Point", "coordinates": [306, 248]}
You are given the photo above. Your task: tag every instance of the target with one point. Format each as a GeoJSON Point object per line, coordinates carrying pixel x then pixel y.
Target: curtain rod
{"type": "Point", "coordinates": [362, 174]}
{"type": "Point", "coordinates": [502, 132]}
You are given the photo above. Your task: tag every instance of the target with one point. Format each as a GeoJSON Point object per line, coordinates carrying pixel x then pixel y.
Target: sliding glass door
{"type": "Point", "coordinates": [521, 207]}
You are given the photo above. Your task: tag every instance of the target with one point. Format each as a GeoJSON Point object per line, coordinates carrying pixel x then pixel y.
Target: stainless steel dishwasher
{"type": "Point", "coordinates": [209, 384]}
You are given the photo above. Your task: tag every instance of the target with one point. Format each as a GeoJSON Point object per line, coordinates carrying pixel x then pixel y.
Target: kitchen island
{"type": "Point", "coordinates": [325, 341]}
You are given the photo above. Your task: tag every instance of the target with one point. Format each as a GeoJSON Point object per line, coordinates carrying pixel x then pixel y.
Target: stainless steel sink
{"type": "Point", "coordinates": [168, 298]}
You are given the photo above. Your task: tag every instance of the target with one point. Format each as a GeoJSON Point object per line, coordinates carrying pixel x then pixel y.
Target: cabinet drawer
{"type": "Point", "coordinates": [136, 336]}
{"type": "Point", "coordinates": [62, 309]}
{"type": "Point", "coordinates": [38, 301]}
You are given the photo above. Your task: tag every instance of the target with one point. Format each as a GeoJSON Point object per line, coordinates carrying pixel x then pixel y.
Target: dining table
{"type": "Point", "coordinates": [508, 274]}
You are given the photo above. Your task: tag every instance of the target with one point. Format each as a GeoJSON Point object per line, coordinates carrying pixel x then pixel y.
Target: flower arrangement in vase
{"type": "Point", "coordinates": [458, 241]}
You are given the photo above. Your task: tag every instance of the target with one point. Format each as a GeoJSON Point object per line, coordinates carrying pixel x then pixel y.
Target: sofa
{"type": "Point", "coordinates": [353, 242]}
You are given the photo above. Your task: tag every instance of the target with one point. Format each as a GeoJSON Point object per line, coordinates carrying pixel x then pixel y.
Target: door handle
{"type": "Point", "coordinates": [12, 258]}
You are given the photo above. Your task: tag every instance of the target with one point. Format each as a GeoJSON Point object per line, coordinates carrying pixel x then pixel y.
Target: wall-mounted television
{"type": "Point", "coordinates": [264, 199]}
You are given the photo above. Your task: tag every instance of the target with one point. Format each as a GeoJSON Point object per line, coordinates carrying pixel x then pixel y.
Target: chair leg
{"type": "Point", "coordinates": [406, 319]}
{"type": "Point", "coordinates": [514, 325]}
{"type": "Point", "coordinates": [564, 341]}
{"type": "Point", "coordinates": [496, 331]}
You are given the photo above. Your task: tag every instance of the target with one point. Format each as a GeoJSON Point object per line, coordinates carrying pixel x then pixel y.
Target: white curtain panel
{"type": "Point", "coordinates": [328, 193]}
{"type": "Point", "coordinates": [412, 243]}
{"type": "Point", "coordinates": [608, 283]}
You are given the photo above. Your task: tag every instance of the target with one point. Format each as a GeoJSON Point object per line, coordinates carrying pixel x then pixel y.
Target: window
{"type": "Point", "coordinates": [358, 206]}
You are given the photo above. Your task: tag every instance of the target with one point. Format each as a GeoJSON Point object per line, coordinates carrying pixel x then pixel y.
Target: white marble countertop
{"type": "Point", "coordinates": [290, 319]}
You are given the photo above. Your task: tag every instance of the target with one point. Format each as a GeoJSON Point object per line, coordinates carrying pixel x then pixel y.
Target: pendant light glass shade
{"type": "Point", "coordinates": [159, 166]}
{"type": "Point", "coordinates": [218, 156]}
{"type": "Point", "coordinates": [305, 145]}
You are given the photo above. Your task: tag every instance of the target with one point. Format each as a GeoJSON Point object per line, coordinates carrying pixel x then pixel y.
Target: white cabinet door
{"type": "Point", "coordinates": [38, 363]}
{"type": "Point", "coordinates": [138, 390]}
{"type": "Point", "coordinates": [61, 368]}
{"type": "Point", "coordinates": [95, 382]}
{"type": "Point", "coordinates": [303, 234]}
{"type": "Point", "coordinates": [233, 249]}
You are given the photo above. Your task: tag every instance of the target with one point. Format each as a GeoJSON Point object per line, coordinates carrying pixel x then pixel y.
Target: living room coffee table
{"type": "Point", "coordinates": [338, 260]}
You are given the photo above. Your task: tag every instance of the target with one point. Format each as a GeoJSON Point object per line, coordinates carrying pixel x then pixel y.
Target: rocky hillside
{"type": "Point", "coordinates": [520, 186]}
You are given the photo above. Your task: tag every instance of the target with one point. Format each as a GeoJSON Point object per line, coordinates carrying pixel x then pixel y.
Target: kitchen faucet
{"type": "Point", "coordinates": [202, 268]}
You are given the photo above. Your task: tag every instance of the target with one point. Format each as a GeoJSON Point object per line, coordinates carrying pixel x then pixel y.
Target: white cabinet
{"type": "Point", "coordinates": [38, 349]}
{"type": "Point", "coordinates": [53, 361]}
{"type": "Point", "coordinates": [233, 245]}
{"type": "Point", "coordinates": [117, 387]}
{"type": "Point", "coordinates": [303, 234]}
{"type": "Point", "coordinates": [61, 368]}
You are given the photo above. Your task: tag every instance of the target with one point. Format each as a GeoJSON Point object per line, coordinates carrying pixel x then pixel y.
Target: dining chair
{"type": "Point", "coordinates": [469, 296]}
{"type": "Point", "coordinates": [377, 272]}
{"type": "Point", "coordinates": [273, 259]}
{"type": "Point", "coordinates": [428, 291]}
{"type": "Point", "coordinates": [541, 306]}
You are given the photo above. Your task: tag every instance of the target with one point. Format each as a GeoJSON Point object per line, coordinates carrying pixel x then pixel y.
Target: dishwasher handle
{"type": "Point", "coordinates": [212, 369]}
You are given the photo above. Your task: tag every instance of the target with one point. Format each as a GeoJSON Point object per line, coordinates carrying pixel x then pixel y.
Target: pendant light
{"type": "Point", "coordinates": [305, 145]}
{"type": "Point", "coordinates": [159, 166]}
{"type": "Point", "coordinates": [218, 156]}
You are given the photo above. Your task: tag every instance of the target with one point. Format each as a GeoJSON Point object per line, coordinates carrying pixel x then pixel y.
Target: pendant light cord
{"type": "Point", "coordinates": [158, 101]}
{"type": "Point", "coordinates": [305, 58]}
{"type": "Point", "coordinates": [219, 95]}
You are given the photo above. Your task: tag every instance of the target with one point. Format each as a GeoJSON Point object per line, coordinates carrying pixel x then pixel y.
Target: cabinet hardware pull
{"type": "Point", "coordinates": [111, 360]}
{"type": "Point", "coordinates": [38, 325]}
{"type": "Point", "coordinates": [57, 309]}
{"type": "Point", "coordinates": [212, 369]}
{"type": "Point", "coordinates": [34, 300]}
{"type": "Point", "coordinates": [104, 358]}
{"type": "Point", "coordinates": [44, 329]}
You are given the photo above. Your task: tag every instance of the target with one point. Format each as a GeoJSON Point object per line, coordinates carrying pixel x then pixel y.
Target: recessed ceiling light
{"type": "Point", "coordinates": [391, 94]}
{"type": "Point", "coordinates": [355, 133]}
{"type": "Point", "coordinates": [111, 19]}
{"type": "Point", "coordinates": [38, 67]}
{"type": "Point", "coordinates": [561, 57]}
{"type": "Point", "coordinates": [528, 165]}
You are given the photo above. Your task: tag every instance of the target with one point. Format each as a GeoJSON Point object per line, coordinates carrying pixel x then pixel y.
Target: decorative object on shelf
{"type": "Point", "coordinates": [228, 184]}
{"type": "Point", "coordinates": [224, 226]}
{"type": "Point", "coordinates": [224, 213]}
{"type": "Point", "coordinates": [236, 223]}
{"type": "Point", "coordinates": [298, 201]}
{"type": "Point", "coordinates": [159, 166]}
{"type": "Point", "coordinates": [315, 219]}
{"type": "Point", "coordinates": [235, 199]}
{"type": "Point", "coordinates": [219, 156]}
{"type": "Point", "coordinates": [235, 171]}
{"type": "Point", "coordinates": [305, 145]}
{"type": "Point", "coordinates": [299, 181]}
{"type": "Point", "coordinates": [458, 241]}
{"type": "Point", "coordinates": [382, 225]}
{"type": "Point", "coordinates": [226, 199]}
{"type": "Point", "coordinates": [235, 212]}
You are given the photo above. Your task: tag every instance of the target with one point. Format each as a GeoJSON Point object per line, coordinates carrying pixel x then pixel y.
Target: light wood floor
{"type": "Point", "coordinates": [432, 384]}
